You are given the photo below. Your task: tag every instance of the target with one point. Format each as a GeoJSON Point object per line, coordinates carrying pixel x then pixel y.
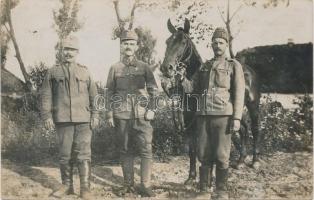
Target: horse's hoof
{"type": "Point", "coordinates": [256, 165]}
{"type": "Point", "coordinates": [189, 181]}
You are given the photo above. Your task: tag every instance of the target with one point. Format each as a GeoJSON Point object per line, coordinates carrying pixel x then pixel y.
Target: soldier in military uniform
{"type": "Point", "coordinates": [67, 97]}
{"type": "Point", "coordinates": [131, 86]}
{"type": "Point", "coordinates": [221, 86]}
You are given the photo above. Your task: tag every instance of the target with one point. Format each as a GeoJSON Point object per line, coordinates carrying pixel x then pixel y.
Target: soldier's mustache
{"type": "Point", "coordinates": [68, 56]}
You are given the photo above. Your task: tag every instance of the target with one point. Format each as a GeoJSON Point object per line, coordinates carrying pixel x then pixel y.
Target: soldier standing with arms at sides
{"type": "Point", "coordinates": [221, 86]}
{"type": "Point", "coordinates": [67, 96]}
{"type": "Point", "coordinates": [129, 83]}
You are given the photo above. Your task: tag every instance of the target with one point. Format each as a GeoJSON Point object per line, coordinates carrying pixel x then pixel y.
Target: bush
{"type": "Point", "coordinates": [167, 141]}
{"type": "Point", "coordinates": [24, 139]}
{"type": "Point", "coordinates": [284, 129]}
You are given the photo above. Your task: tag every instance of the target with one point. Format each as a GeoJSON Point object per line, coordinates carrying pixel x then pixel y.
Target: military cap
{"type": "Point", "coordinates": [128, 35]}
{"type": "Point", "coordinates": [220, 33]}
{"type": "Point", "coordinates": [71, 42]}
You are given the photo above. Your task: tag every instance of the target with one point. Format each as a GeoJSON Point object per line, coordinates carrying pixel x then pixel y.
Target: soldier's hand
{"type": "Point", "coordinates": [149, 115]}
{"type": "Point", "coordinates": [110, 122]}
{"type": "Point", "coordinates": [236, 125]}
{"type": "Point", "coordinates": [94, 123]}
{"type": "Point", "coordinates": [49, 125]}
{"type": "Point", "coordinates": [181, 72]}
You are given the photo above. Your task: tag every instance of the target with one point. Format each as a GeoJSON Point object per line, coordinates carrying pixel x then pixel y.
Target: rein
{"type": "Point", "coordinates": [182, 61]}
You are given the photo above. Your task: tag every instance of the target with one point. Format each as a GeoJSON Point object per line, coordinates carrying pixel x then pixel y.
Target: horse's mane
{"type": "Point", "coordinates": [195, 61]}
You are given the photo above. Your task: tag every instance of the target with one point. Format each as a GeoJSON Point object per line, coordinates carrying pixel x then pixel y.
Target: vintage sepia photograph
{"type": "Point", "coordinates": [156, 99]}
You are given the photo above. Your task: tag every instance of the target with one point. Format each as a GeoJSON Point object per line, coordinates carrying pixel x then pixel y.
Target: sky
{"type": "Point", "coordinates": [36, 35]}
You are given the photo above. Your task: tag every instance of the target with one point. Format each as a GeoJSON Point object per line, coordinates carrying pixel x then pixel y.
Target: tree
{"type": "Point", "coordinates": [4, 40]}
{"type": "Point", "coordinates": [6, 22]}
{"type": "Point", "coordinates": [146, 41]}
{"type": "Point", "coordinates": [201, 31]}
{"type": "Point", "coordinates": [37, 74]}
{"type": "Point", "coordinates": [66, 22]}
{"type": "Point", "coordinates": [122, 23]}
{"type": "Point", "coordinates": [230, 16]}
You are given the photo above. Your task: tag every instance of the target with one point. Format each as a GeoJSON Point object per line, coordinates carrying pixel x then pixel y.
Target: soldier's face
{"type": "Point", "coordinates": [128, 47]}
{"type": "Point", "coordinates": [70, 54]}
{"type": "Point", "coordinates": [219, 46]}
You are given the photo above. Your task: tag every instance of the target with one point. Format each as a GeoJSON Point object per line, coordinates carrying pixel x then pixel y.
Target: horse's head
{"type": "Point", "coordinates": [179, 49]}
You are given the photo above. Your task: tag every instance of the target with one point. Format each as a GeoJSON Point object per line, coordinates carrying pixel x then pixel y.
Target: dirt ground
{"type": "Point", "coordinates": [281, 176]}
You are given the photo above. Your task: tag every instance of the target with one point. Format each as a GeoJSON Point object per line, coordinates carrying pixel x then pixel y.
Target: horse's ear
{"type": "Point", "coordinates": [171, 28]}
{"type": "Point", "coordinates": [186, 26]}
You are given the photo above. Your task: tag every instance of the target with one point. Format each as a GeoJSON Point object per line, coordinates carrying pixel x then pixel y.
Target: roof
{"type": "Point", "coordinates": [11, 84]}
{"type": "Point", "coordinates": [286, 68]}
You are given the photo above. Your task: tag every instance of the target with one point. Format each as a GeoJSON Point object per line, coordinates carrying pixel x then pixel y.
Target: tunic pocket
{"type": "Point", "coordinates": [217, 101]}
{"type": "Point", "coordinates": [58, 83]}
{"type": "Point", "coordinates": [222, 78]}
{"type": "Point", "coordinates": [82, 83]}
{"type": "Point", "coordinates": [122, 81]}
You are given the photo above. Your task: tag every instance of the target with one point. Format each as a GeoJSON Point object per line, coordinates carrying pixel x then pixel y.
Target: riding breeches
{"type": "Point", "coordinates": [214, 140]}
{"type": "Point", "coordinates": [134, 137]}
{"type": "Point", "coordinates": [74, 142]}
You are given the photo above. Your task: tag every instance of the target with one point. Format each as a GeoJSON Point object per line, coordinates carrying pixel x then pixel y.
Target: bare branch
{"type": "Point", "coordinates": [6, 27]}
{"type": "Point", "coordinates": [116, 7]}
{"type": "Point", "coordinates": [221, 15]}
{"type": "Point", "coordinates": [228, 12]}
{"type": "Point", "coordinates": [235, 12]}
{"type": "Point", "coordinates": [132, 14]}
{"type": "Point", "coordinates": [16, 47]}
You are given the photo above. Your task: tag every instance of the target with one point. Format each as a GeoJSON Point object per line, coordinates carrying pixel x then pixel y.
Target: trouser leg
{"type": "Point", "coordinates": [65, 133]}
{"type": "Point", "coordinates": [82, 151]}
{"type": "Point", "coordinates": [205, 154]}
{"type": "Point", "coordinates": [123, 131]}
{"type": "Point", "coordinates": [143, 138]}
{"type": "Point", "coordinates": [82, 142]}
{"type": "Point", "coordinates": [220, 130]}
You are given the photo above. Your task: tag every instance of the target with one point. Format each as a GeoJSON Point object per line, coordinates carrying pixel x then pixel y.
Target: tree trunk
{"type": "Point", "coordinates": [17, 51]}
{"type": "Point", "coordinates": [228, 21]}
{"type": "Point", "coordinates": [230, 40]}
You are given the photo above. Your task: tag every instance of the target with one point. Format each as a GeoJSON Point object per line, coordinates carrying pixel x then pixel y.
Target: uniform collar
{"type": "Point", "coordinates": [220, 58]}
{"type": "Point", "coordinates": [129, 62]}
{"type": "Point", "coordinates": [70, 65]}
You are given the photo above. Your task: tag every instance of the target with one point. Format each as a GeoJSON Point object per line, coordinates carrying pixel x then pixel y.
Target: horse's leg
{"type": "Point", "coordinates": [254, 115]}
{"type": "Point", "coordinates": [192, 156]}
{"type": "Point", "coordinates": [243, 143]}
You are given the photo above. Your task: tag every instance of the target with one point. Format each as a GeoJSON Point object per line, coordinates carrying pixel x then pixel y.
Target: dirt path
{"type": "Point", "coordinates": [281, 176]}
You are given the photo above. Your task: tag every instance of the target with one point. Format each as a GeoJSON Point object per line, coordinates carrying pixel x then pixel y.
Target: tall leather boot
{"type": "Point", "coordinates": [203, 179]}
{"type": "Point", "coordinates": [84, 168]}
{"type": "Point", "coordinates": [127, 162]}
{"type": "Point", "coordinates": [146, 172]}
{"type": "Point", "coordinates": [205, 172]}
{"type": "Point", "coordinates": [221, 184]}
{"type": "Point", "coordinates": [67, 181]}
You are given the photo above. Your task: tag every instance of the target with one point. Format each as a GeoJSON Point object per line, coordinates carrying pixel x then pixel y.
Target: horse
{"type": "Point", "coordinates": [181, 52]}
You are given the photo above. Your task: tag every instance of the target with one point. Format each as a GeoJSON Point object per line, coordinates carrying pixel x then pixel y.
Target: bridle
{"type": "Point", "coordinates": [184, 60]}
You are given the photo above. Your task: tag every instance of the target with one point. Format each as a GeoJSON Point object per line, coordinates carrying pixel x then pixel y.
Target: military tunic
{"type": "Point", "coordinates": [67, 96]}
{"type": "Point", "coordinates": [220, 86]}
{"type": "Point", "coordinates": [131, 87]}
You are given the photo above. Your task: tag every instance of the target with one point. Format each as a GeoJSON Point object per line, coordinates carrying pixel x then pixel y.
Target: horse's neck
{"type": "Point", "coordinates": [195, 63]}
